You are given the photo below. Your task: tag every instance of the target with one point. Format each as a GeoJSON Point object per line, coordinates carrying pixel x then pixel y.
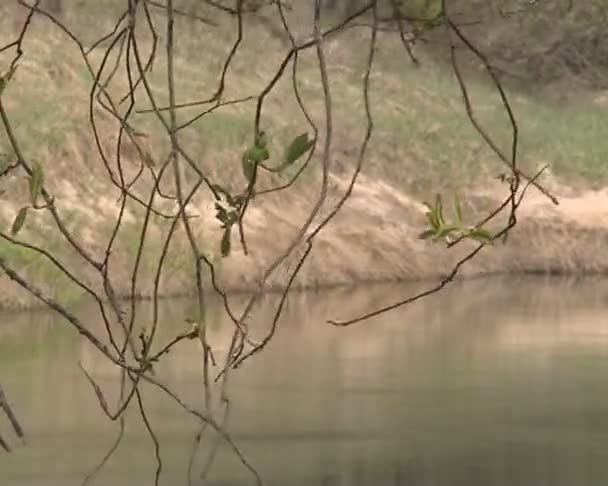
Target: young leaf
{"type": "Point", "coordinates": [432, 217]}
{"type": "Point", "coordinates": [439, 210]}
{"type": "Point", "coordinates": [261, 140]}
{"type": "Point", "coordinates": [19, 221]}
{"type": "Point", "coordinates": [298, 147]}
{"type": "Point", "coordinates": [437, 236]}
{"type": "Point", "coordinates": [481, 235]}
{"type": "Point", "coordinates": [458, 209]}
{"type": "Point", "coordinates": [36, 181]}
{"type": "Point", "coordinates": [251, 158]}
{"type": "Point", "coordinates": [442, 233]}
{"type": "Point", "coordinates": [248, 166]}
{"type": "Point", "coordinates": [259, 154]}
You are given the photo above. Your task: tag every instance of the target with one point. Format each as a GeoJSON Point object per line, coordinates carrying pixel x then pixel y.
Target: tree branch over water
{"type": "Point", "coordinates": [135, 97]}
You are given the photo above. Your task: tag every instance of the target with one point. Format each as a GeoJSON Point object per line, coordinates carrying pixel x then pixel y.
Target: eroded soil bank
{"type": "Point", "coordinates": [373, 239]}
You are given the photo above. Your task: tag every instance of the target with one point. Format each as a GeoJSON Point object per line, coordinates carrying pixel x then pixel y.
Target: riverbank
{"type": "Point", "coordinates": [422, 144]}
{"type": "Point", "coordinates": [374, 240]}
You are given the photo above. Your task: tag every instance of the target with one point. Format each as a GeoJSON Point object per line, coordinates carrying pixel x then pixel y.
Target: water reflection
{"type": "Point", "coordinates": [495, 382]}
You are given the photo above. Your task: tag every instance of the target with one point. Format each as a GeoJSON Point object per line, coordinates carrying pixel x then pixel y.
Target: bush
{"type": "Point", "coordinates": [538, 41]}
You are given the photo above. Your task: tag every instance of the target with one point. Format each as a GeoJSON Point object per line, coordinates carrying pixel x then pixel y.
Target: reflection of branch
{"type": "Point", "coordinates": [146, 421]}
{"type": "Point", "coordinates": [196, 443]}
{"type": "Point", "coordinates": [121, 432]}
{"type": "Point", "coordinates": [114, 446]}
{"type": "Point", "coordinates": [52, 304]}
{"type": "Point", "coordinates": [205, 419]}
{"type": "Point", "coordinates": [6, 408]}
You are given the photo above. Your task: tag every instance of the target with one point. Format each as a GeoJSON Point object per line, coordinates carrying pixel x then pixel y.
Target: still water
{"type": "Point", "coordinates": [493, 382]}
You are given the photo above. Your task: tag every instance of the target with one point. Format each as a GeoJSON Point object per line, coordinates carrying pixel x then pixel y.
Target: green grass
{"type": "Point", "coordinates": [571, 139]}
{"type": "Point", "coordinates": [49, 278]}
{"type": "Point", "coordinates": [419, 110]}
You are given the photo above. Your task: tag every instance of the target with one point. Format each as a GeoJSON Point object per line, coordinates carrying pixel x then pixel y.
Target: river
{"type": "Point", "coordinates": [501, 381]}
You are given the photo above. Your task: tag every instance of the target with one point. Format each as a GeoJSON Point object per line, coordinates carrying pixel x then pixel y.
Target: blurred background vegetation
{"type": "Point", "coordinates": [529, 41]}
{"type": "Point", "coordinates": [542, 41]}
{"type": "Point", "coordinates": [551, 55]}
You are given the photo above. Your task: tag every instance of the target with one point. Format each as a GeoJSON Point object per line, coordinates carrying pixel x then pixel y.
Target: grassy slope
{"type": "Point", "coordinates": [422, 144]}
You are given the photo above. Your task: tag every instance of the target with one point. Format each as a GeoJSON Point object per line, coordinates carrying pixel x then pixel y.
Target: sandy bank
{"type": "Point", "coordinates": [374, 239]}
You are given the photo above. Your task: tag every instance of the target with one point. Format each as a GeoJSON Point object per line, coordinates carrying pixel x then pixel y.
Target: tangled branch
{"type": "Point", "coordinates": [123, 87]}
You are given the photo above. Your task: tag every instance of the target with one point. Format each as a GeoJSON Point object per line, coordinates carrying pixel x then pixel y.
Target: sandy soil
{"type": "Point", "coordinates": [375, 239]}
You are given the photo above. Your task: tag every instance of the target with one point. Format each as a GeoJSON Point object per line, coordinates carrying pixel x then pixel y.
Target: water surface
{"type": "Point", "coordinates": [495, 382]}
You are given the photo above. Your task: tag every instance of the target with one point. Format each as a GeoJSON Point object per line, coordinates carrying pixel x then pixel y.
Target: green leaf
{"type": "Point", "coordinates": [298, 147]}
{"type": "Point", "coordinates": [261, 140]}
{"type": "Point", "coordinates": [458, 209]}
{"type": "Point", "coordinates": [442, 233]}
{"type": "Point", "coordinates": [259, 154]}
{"type": "Point", "coordinates": [451, 229]}
{"type": "Point", "coordinates": [439, 210]}
{"type": "Point", "coordinates": [251, 158]}
{"type": "Point", "coordinates": [430, 215]}
{"type": "Point", "coordinates": [248, 169]}
{"type": "Point", "coordinates": [225, 245]}
{"type": "Point", "coordinates": [19, 221]}
{"type": "Point", "coordinates": [480, 234]}
{"type": "Point", "coordinates": [36, 182]}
